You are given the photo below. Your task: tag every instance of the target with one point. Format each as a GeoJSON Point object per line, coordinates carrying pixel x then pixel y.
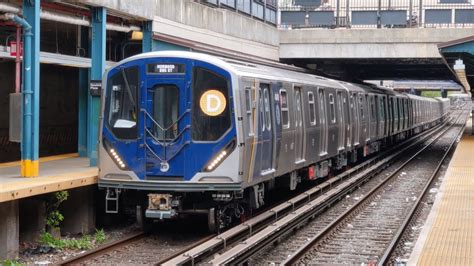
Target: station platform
{"type": "Point", "coordinates": [448, 234]}
{"type": "Point", "coordinates": [56, 173]}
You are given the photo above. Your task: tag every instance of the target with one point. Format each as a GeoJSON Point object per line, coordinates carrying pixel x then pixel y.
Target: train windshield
{"type": "Point", "coordinates": [121, 107]}
{"type": "Point", "coordinates": [211, 108]}
{"type": "Point", "coordinates": [165, 111]}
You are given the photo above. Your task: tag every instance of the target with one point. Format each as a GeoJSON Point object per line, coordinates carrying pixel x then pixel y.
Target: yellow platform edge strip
{"type": "Point", "coordinates": [42, 160]}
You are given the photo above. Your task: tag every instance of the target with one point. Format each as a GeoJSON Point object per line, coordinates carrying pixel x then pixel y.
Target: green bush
{"type": "Point", "coordinates": [85, 242]}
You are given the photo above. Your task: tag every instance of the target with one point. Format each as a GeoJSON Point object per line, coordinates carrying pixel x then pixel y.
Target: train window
{"type": "Point", "coordinates": [285, 117]}
{"type": "Point", "coordinates": [249, 108]}
{"type": "Point", "coordinates": [205, 126]}
{"type": "Point", "coordinates": [121, 108]}
{"type": "Point", "coordinates": [332, 108]}
{"type": "Point", "coordinates": [165, 111]}
{"type": "Point", "coordinates": [266, 101]}
{"type": "Point", "coordinates": [312, 108]}
{"type": "Point", "coordinates": [361, 104]}
{"type": "Point", "coordinates": [372, 108]}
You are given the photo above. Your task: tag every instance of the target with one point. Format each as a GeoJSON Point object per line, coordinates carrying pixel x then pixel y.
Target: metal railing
{"type": "Point", "coordinates": [376, 13]}
{"type": "Point", "coordinates": [264, 10]}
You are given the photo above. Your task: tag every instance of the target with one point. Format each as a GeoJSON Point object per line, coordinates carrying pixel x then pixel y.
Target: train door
{"type": "Point", "coordinates": [323, 143]}
{"type": "Point", "coordinates": [265, 128]}
{"type": "Point", "coordinates": [355, 119]}
{"type": "Point", "coordinates": [299, 126]}
{"type": "Point", "coordinates": [341, 121]}
{"type": "Point", "coordinates": [347, 118]}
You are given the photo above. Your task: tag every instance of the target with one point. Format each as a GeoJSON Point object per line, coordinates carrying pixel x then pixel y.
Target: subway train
{"type": "Point", "coordinates": [197, 134]}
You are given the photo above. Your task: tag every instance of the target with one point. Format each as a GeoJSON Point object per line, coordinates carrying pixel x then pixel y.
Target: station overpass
{"type": "Point", "coordinates": [371, 53]}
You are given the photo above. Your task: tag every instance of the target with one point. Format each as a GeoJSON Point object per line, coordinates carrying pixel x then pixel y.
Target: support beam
{"type": "Point", "coordinates": [31, 91]}
{"type": "Point", "coordinates": [9, 230]}
{"type": "Point", "coordinates": [99, 19]}
{"type": "Point", "coordinates": [147, 42]}
{"type": "Point", "coordinates": [84, 76]}
{"type": "Point", "coordinates": [79, 211]}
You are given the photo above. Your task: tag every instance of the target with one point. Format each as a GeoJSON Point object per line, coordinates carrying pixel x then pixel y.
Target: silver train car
{"type": "Point", "coordinates": [202, 134]}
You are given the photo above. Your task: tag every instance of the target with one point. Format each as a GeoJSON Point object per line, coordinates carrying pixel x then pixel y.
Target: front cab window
{"type": "Point", "coordinates": [211, 107]}
{"type": "Point", "coordinates": [121, 109]}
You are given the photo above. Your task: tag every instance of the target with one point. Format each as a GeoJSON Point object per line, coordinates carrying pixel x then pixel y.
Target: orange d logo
{"type": "Point", "coordinates": [213, 103]}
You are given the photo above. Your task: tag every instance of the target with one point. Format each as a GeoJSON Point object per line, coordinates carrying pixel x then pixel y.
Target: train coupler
{"type": "Point", "coordinates": [162, 206]}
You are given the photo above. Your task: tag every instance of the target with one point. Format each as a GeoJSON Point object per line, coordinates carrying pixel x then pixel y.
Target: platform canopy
{"type": "Point", "coordinates": [459, 57]}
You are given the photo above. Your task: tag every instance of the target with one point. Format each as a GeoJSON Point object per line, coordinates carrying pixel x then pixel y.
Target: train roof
{"type": "Point", "coordinates": [275, 72]}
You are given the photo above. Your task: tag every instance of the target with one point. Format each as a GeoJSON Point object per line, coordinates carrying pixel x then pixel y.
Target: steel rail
{"type": "Point", "coordinates": [307, 246]}
{"type": "Point", "coordinates": [310, 209]}
{"type": "Point", "coordinates": [91, 254]}
{"type": "Point", "coordinates": [385, 259]}
{"type": "Point", "coordinates": [258, 222]}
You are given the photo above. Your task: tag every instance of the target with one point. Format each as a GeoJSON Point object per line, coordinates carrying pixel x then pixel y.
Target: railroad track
{"type": "Point", "coordinates": [370, 230]}
{"type": "Point", "coordinates": [239, 243]}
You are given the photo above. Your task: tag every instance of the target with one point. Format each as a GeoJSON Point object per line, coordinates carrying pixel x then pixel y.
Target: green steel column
{"type": "Point", "coordinates": [99, 20]}
{"type": "Point", "coordinates": [31, 91]}
{"type": "Point", "coordinates": [147, 42]}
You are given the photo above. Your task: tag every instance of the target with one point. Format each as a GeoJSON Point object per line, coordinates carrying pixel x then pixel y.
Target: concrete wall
{"type": "Point", "coordinates": [189, 22]}
{"type": "Point", "coordinates": [142, 9]}
{"type": "Point", "coordinates": [366, 43]}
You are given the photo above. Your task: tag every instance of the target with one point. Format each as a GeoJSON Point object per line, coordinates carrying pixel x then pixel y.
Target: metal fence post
{"type": "Point", "coordinates": [348, 15]}
{"type": "Point", "coordinates": [379, 22]}
{"type": "Point", "coordinates": [410, 13]}
{"type": "Point", "coordinates": [338, 6]}
{"type": "Point", "coordinates": [420, 15]}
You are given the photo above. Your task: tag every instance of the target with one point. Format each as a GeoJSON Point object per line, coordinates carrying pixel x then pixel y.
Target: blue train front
{"type": "Point", "coordinates": [168, 129]}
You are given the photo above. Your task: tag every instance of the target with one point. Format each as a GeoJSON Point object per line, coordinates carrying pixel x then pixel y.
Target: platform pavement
{"type": "Point", "coordinates": [447, 237]}
{"type": "Point", "coordinates": [56, 173]}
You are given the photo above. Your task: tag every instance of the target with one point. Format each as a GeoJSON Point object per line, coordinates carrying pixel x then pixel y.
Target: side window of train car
{"type": "Point", "coordinates": [210, 126]}
{"type": "Point", "coordinates": [249, 109]}
{"type": "Point", "coordinates": [332, 108]}
{"type": "Point", "coordinates": [266, 102]}
{"type": "Point", "coordinates": [261, 108]}
{"type": "Point", "coordinates": [361, 106]}
{"type": "Point", "coordinates": [312, 108]}
{"type": "Point", "coordinates": [372, 108]}
{"type": "Point", "coordinates": [121, 112]}
{"type": "Point", "coordinates": [285, 116]}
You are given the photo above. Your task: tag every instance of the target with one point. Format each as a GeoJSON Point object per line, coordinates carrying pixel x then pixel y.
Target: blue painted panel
{"type": "Point", "coordinates": [393, 17]}
{"type": "Point", "coordinates": [438, 16]}
{"type": "Point", "coordinates": [464, 16]}
{"type": "Point", "coordinates": [364, 17]}
{"type": "Point", "coordinates": [194, 156]}
{"type": "Point", "coordinates": [323, 18]}
{"type": "Point", "coordinates": [293, 17]}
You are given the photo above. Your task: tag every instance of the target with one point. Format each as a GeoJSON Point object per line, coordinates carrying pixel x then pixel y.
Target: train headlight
{"type": "Point", "coordinates": [219, 158]}
{"type": "Point", "coordinates": [114, 155]}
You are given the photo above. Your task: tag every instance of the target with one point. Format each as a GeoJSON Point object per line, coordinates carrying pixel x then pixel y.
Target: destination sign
{"type": "Point", "coordinates": [166, 68]}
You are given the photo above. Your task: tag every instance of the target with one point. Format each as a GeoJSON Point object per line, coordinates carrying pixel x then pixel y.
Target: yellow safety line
{"type": "Point", "coordinates": [42, 160]}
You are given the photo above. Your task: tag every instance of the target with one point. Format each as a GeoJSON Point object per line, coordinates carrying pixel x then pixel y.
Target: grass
{"type": "Point", "coordinates": [82, 243]}
{"type": "Point", "coordinates": [11, 263]}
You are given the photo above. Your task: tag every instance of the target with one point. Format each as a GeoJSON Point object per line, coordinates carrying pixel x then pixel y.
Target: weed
{"type": "Point", "coordinates": [85, 242]}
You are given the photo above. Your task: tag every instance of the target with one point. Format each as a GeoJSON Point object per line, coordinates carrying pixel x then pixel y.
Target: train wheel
{"type": "Point", "coordinates": [212, 223]}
